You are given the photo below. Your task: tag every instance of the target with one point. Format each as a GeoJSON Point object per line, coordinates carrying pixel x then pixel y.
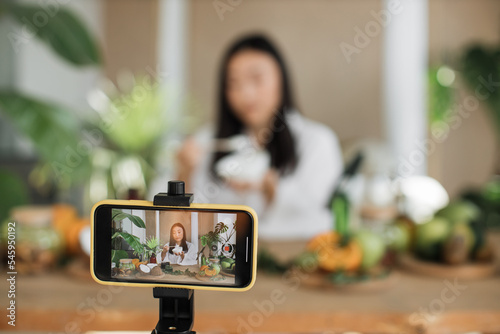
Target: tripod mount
{"type": "Point", "coordinates": [176, 305]}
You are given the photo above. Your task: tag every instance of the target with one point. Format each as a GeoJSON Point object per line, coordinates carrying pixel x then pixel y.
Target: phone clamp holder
{"type": "Point", "coordinates": [176, 311]}
{"type": "Point", "coordinates": [175, 196]}
{"type": "Point", "coordinates": [176, 305]}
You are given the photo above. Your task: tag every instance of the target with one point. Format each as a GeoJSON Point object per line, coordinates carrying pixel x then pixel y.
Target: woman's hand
{"type": "Point", "coordinates": [269, 184]}
{"type": "Point", "coordinates": [164, 251]}
{"type": "Point", "coordinates": [242, 185]}
{"type": "Point", "coordinates": [181, 254]}
{"type": "Point", "coordinates": [188, 158]}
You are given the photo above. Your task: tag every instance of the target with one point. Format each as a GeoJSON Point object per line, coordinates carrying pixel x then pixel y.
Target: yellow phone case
{"type": "Point", "coordinates": [192, 206]}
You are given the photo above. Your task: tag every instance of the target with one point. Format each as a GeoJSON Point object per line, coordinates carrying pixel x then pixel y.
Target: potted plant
{"type": "Point", "coordinates": [134, 242]}
{"type": "Point", "coordinates": [51, 128]}
{"type": "Point", "coordinates": [212, 240]}
{"type": "Point", "coordinates": [151, 248]}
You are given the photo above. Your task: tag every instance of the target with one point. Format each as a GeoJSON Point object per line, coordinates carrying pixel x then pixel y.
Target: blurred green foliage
{"type": "Point", "coordinates": [53, 130]}
{"type": "Point", "coordinates": [440, 98]}
{"type": "Point", "coordinates": [481, 70]}
{"type": "Point", "coordinates": [60, 29]}
{"type": "Point", "coordinates": [13, 192]}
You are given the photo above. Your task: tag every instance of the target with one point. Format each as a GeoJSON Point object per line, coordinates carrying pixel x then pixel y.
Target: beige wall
{"type": "Point", "coordinates": [130, 33]}
{"type": "Point", "coordinates": [347, 96]}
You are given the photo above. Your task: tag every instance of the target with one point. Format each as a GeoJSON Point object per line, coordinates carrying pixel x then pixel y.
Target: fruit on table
{"type": "Point", "coordinates": [455, 250]}
{"type": "Point", "coordinates": [459, 244]}
{"type": "Point", "coordinates": [465, 231]}
{"type": "Point", "coordinates": [144, 269]}
{"type": "Point", "coordinates": [67, 222]}
{"type": "Point", "coordinates": [216, 267]}
{"type": "Point", "coordinates": [210, 270]}
{"type": "Point", "coordinates": [137, 263]}
{"type": "Point", "coordinates": [372, 247]}
{"type": "Point", "coordinates": [227, 264]}
{"type": "Point", "coordinates": [491, 190]}
{"type": "Point", "coordinates": [460, 211]}
{"type": "Point", "coordinates": [398, 236]}
{"type": "Point", "coordinates": [430, 236]}
{"type": "Point", "coordinates": [332, 255]}
{"type": "Point", "coordinates": [156, 271]}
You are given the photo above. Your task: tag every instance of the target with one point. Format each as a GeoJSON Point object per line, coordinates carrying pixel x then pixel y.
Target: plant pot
{"type": "Point", "coordinates": [152, 259]}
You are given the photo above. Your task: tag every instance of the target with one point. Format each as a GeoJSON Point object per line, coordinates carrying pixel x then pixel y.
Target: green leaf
{"type": "Point", "coordinates": [132, 240]}
{"type": "Point", "coordinates": [220, 228]}
{"type": "Point", "coordinates": [53, 131]}
{"type": "Point", "coordinates": [440, 98]}
{"type": "Point", "coordinates": [203, 240]}
{"type": "Point", "coordinates": [153, 244]}
{"type": "Point", "coordinates": [119, 215]}
{"type": "Point", "coordinates": [61, 30]}
{"type": "Point", "coordinates": [13, 192]}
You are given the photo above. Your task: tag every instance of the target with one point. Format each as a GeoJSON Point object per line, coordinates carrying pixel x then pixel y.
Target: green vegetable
{"type": "Point", "coordinates": [340, 210]}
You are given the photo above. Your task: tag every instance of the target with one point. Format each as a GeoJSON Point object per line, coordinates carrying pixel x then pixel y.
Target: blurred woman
{"type": "Point", "coordinates": [262, 152]}
{"type": "Point", "coordinates": [178, 250]}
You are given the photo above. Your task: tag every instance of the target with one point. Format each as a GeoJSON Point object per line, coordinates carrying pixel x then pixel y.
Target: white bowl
{"type": "Point", "coordinates": [248, 166]}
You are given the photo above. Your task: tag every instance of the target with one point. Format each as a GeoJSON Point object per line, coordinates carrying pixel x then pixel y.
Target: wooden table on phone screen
{"type": "Point", "coordinates": [59, 302]}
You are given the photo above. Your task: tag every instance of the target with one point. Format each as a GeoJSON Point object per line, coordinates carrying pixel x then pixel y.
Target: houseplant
{"type": "Point", "coordinates": [151, 248]}
{"type": "Point", "coordinates": [117, 253]}
{"type": "Point", "coordinates": [212, 240]}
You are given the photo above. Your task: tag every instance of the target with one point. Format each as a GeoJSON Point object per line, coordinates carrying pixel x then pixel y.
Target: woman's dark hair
{"type": "Point", "coordinates": [183, 241]}
{"type": "Point", "coordinates": [281, 144]}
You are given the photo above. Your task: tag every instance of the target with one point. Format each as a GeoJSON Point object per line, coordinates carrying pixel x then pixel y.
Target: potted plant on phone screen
{"type": "Point", "coordinates": [227, 261]}
{"type": "Point", "coordinates": [212, 240]}
{"type": "Point", "coordinates": [117, 253]}
{"type": "Point", "coordinates": [151, 248]}
{"type": "Point", "coordinates": [228, 248]}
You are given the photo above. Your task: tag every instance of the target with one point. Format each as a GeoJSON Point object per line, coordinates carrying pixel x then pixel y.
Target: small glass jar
{"type": "Point", "coordinates": [126, 266]}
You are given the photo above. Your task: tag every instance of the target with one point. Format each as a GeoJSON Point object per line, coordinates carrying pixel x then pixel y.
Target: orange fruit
{"type": "Point", "coordinates": [138, 263]}
{"type": "Point", "coordinates": [332, 256]}
{"type": "Point", "coordinates": [210, 272]}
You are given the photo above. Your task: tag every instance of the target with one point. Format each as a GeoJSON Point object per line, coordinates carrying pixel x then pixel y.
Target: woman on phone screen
{"type": "Point", "coordinates": [178, 250]}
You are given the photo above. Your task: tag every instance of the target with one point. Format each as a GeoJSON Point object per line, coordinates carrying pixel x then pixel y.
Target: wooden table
{"type": "Point", "coordinates": [58, 302]}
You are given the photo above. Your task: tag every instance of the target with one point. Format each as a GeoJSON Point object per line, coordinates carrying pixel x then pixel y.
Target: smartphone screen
{"type": "Point", "coordinates": [173, 246]}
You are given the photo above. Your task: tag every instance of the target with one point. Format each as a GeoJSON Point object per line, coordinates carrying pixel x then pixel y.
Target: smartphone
{"type": "Point", "coordinates": [203, 246]}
